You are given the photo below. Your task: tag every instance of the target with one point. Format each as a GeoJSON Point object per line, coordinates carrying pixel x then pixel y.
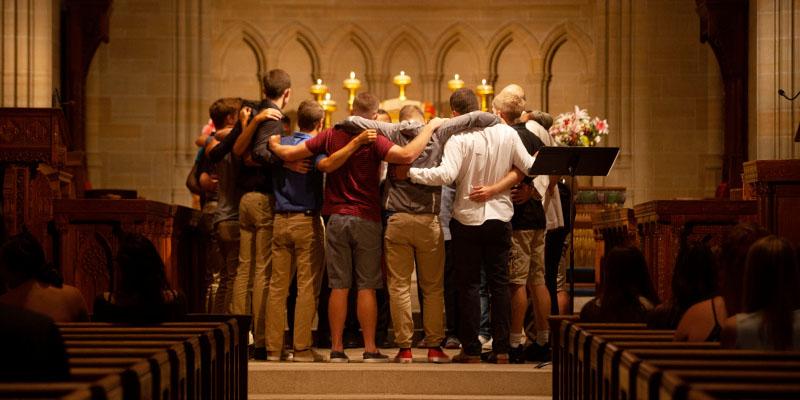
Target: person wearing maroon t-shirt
{"type": "Point", "coordinates": [352, 199]}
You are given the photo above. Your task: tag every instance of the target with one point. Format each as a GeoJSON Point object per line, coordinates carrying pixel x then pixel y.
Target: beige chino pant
{"type": "Point", "coordinates": [297, 242]}
{"type": "Point", "coordinates": [255, 260]}
{"type": "Point", "coordinates": [415, 239]}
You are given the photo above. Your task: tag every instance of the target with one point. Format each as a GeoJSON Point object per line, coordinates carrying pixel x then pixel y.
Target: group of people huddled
{"type": "Point", "coordinates": [744, 294]}
{"type": "Point", "coordinates": [449, 198]}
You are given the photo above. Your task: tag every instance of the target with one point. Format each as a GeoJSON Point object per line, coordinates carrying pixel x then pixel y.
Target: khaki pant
{"type": "Point", "coordinates": [296, 243]}
{"type": "Point", "coordinates": [526, 263]}
{"type": "Point", "coordinates": [255, 256]}
{"type": "Point", "coordinates": [410, 238]}
{"type": "Point", "coordinates": [227, 233]}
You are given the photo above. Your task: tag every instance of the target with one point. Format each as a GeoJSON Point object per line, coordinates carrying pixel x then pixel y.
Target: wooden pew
{"type": "Point", "coordinates": [643, 364]}
{"type": "Point", "coordinates": [108, 387]}
{"type": "Point", "coordinates": [590, 359]}
{"type": "Point", "coordinates": [241, 355]}
{"type": "Point", "coordinates": [608, 386]}
{"type": "Point", "coordinates": [732, 391]}
{"type": "Point", "coordinates": [214, 343]}
{"type": "Point", "coordinates": [137, 378]}
{"type": "Point", "coordinates": [191, 343]}
{"type": "Point", "coordinates": [556, 352]}
{"type": "Point", "coordinates": [675, 384]}
{"type": "Point", "coordinates": [569, 346]}
{"type": "Point", "coordinates": [158, 360]}
{"type": "Point", "coordinates": [175, 350]}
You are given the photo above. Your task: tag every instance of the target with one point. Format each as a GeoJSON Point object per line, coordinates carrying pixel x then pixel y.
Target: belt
{"type": "Point", "coordinates": [307, 213]}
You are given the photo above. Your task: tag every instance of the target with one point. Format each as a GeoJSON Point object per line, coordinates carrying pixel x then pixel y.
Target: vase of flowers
{"type": "Point", "coordinates": [578, 129]}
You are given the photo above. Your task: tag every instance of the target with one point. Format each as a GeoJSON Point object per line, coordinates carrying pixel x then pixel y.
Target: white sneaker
{"type": "Point", "coordinates": [486, 343]}
{"type": "Point", "coordinates": [308, 355]}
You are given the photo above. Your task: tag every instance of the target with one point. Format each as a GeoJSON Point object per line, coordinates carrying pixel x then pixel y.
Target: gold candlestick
{"type": "Point", "coordinates": [351, 84]}
{"type": "Point", "coordinates": [318, 90]}
{"type": "Point", "coordinates": [402, 81]}
{"type": "Point", "coordinates": [329, 106]}
{"type": "Point", "coordinates": [484, 91]}
{"type": "Point", "coordinates": [455, 83]}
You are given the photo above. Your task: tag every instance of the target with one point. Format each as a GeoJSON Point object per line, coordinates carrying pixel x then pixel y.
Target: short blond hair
{"type": "Point", "coordinates": [509, 105]}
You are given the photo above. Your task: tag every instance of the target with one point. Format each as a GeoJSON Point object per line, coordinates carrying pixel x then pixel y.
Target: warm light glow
{"type": "Point", "coordinates": [455, 77]}
{"type": "Point", "coordinates": [483, 81]}
{"type": "Point", "coordinates": [327, 96]}
{"type": "Point", "coordinates": [402, 72]}
{"type": "Point", "coordinates": [319, 81]}
{"type": "Point", "coordinates": [352, 75]}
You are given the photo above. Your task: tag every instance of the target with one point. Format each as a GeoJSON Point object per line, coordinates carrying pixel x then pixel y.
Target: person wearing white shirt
{"type": "Point", "coordinates": [479, 161]}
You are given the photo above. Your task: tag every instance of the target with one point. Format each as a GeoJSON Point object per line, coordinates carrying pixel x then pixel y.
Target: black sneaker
{"type": "Point", "coordinates": [375, 357]}
{"type": "Point", "coordinates": [338, 357]}
{"type": "Point", "coordinates": [260, 354]}
{"type": "Point", "coordinates": [494, 358]}
{"type": "Point", "coordinates": [516, 355]}
{"type": "Point", "coordinates": [537, 352]}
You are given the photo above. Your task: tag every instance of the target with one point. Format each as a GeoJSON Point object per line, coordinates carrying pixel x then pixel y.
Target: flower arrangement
{"type": "Point", "coordinates": [578, 129]}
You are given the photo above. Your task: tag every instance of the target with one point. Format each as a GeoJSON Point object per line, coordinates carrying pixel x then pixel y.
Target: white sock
{"type": "Point", "coordinates": [516, 339]}
{"type": "Point", "coordinates": [542, 337]}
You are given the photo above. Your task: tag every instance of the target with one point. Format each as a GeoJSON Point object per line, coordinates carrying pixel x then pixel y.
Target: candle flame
{"type": "Point", "coordinates": [455, 77]}
{"type": "Point", "coordinates": [319, 81]}
{"type": "Point", "coordinates": [352, 75]}
{"type": "Point", "coordinates": [402, 72]}
{"type": "Point", "coordinates": [327, 96]}
{"type": "Point", "coordinates": [483, 81]}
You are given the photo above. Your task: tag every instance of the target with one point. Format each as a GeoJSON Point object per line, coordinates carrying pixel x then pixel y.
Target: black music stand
{"type": "Point", "coordinates": [572, 162]}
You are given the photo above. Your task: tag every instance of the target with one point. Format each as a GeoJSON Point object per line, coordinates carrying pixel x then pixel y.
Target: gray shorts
{"type": "Point", "coordinates": [353, 244]}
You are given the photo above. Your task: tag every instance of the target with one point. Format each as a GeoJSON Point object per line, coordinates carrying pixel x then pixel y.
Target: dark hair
{"type": "Point", "coordinates": [732, 256]}
{"type": "Point", "coordinates": [410, 111]}
{"type": "Point", "coordinates": [22, 257]}
{"type": "Point", "coordinates": [222, 108]}
{"type": "Point", "coordinates": [694, 278]}
{"type": "Point", "coordinates": [141, 270]}
{"type": "Point", "coordinates": [772, 286]}
{"type": "Point", "coordinates": [384, 112]}
{"type": "Point", "coordinates": [309, 113]}
{"type": "Point", "coordinates": [365, 105]}
{"type": "Point", "coordinates": [542, 118]}
{"type": "Point", "coordinates": [625, 280]}
{"type": "Point", "coordinates": [276, 82]}
{"type": "Point", "coordinates": [464, 101]}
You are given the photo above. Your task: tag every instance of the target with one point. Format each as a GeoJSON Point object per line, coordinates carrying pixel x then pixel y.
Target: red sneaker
{"type": "Point", "coordinates": [404, 356]}
{"type": "Point", "coordinates": [436, 355]}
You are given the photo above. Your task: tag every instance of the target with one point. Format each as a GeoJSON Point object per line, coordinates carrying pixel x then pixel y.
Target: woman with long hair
{"type": "Point", "coordinates": [30, 282]}
{"type": "Point", "coordinates": [141, 292]}
{"type": "Point", "coordinates": [770, 318]}
{"type": "Point", "coordinates": [626, 292]}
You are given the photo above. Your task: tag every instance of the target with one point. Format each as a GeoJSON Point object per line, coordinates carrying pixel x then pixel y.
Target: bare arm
{"type": "Point", "coordinates": [244, 140]}
{"type": "Point", "coordinates": [288, 152]}
{"type": "Point", "coordinates": [408, 153]}
{"type": "Point", "coordinates": [484, 193]}
{"type": "Point", "coordinates": [337, 159]}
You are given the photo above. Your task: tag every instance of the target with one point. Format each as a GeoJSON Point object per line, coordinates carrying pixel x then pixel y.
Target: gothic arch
{"type": "Point", "coordinates": [455, 34]}
{"type": "Point", "coordinates": [560, 34]}
{"type": "Point", "coordinates": [252, 37]}
{"type": "Point", "coordinates": [354, 36]}
{"type": "Point", "coordinates": [404, 34]}
{"type": "Point", "coordinates": [303, 35]}
{"type": "Point", "coordinates": [503, 38]}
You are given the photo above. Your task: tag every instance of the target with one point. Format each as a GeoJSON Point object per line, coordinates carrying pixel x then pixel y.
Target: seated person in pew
{"type": "Point", "coordinates": [31, 348]}
{"type": "Point", "coordinates": [33, 284]}
{"type": "Point", "coordinates": [693, 280]}
{"type": "Point", "coordinates": [770, 318]}
{"type": "Point", "coordinates": [141, 293]}
{"type": "Point", "coordinates": [702, 321]}
{"type": "Point", "coordinates": [626, 292]}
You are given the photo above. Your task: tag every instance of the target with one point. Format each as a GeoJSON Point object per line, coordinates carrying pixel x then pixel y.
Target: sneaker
{"type": "Point", "coordinates": [375, 357]}
{"type": "Point", "coordinates": [260, 354]}
{"type": "Point", "coordinates": [537, 352]}
{"type": "Point", "coordinates": [307, 355]}
{"type": "Point", "coordinates": [516, 355]}
{"type": "Point", "coordinates": [338, 357]}
{"type": "Point", "coordinates": [486, 343]}
{"type": "Point", "coordinates": [437, 356]}
{"type": "Point", "coordinates": [495, 358]}
{"type": "Point", "coordinates": [452, 342]}
{"type": "Point", "coordinates": [283, 355]}
{"type": "Point", "coordinates": [465, 358]}
{"type": "Point", "coordinates": [404, 356]}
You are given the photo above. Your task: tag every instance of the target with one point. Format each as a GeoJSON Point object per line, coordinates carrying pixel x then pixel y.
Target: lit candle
{"type": "Point", "coordinates": [455, 77]}
{"type": "Point", "coordinates": [483, 81]}
{"type": "Point", "coordinates": [327, 96]}
{"type": "Point", "coordinates": [319, 81]}
{"type": "Point", "coordinates": [352, 75]}
{"type": "Point", "coordinates": [455, 83]}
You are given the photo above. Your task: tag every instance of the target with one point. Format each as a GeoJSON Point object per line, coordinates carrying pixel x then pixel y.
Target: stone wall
{"type": "Point", "coordinates": [639, 64]}
{"type": "Point", "coordinates": [774, 65]}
